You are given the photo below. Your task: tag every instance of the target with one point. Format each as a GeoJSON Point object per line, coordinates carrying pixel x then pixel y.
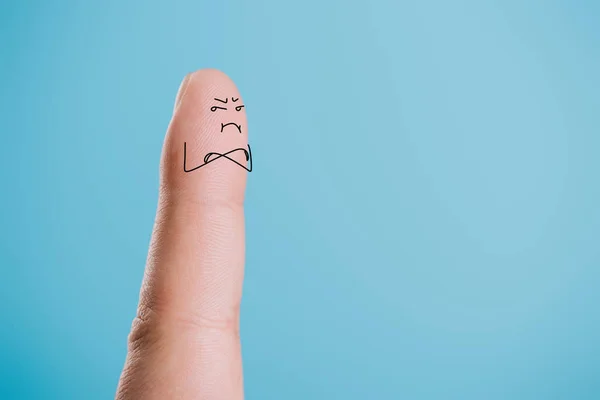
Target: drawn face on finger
{"type": "Point", "coordinates": [230, 114]}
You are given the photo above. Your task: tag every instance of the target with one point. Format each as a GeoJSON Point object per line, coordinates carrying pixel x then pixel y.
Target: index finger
{"type": "Point", "coordinates": [186, 335]}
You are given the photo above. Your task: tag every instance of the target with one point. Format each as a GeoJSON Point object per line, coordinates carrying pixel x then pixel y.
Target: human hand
{"type": "Point", "coordinates": [184, 342]}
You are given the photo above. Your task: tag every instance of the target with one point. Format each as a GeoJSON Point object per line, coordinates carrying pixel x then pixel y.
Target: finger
{"type": "Point", "coordinates": [185, 342]}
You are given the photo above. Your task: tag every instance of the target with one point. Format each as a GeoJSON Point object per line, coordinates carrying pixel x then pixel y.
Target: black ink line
{"type": "Point", "coordinates": [215, 108]}
{"type": "Point", "coordinates": [234, 100]}
{"type": "Point", "coordinates": [239, 108]}
{"type": "Point", "coordinates": [239, 127]}
{"type": "Point", "coordinates": [226, 100]}
{"type": "Point", "coordinates": [248, 155]}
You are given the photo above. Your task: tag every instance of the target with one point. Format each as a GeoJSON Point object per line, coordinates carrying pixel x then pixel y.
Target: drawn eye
{"type": "Point", "coordinates": [238, 108]}
{"type": "Point", "coordinates": [215, 108]}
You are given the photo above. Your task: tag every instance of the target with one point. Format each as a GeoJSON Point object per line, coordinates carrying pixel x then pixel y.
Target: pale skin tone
{"type": "Point", "coordinates": [184, 342]}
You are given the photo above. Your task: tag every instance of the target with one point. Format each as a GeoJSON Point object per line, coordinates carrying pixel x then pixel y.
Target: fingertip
{"type": "Point", "coordinates": [205, 152]}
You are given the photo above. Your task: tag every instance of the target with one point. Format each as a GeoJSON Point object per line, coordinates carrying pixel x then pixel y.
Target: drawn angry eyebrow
{"type": "Point", "coordinates": [234, 100]}
{"type": "Point", "coordinates": [226, 99]}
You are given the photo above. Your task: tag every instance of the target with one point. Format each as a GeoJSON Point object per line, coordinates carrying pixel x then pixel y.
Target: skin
{"type": "Point", "coordinates": [184, 342]}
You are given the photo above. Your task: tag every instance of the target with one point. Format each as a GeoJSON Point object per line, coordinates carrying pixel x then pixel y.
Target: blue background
{"type": "Point", "coordinates": [423, 220]}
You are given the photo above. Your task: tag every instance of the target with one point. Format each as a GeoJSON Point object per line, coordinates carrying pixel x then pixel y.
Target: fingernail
{"type": "Point", "coordinates": [181, 92]}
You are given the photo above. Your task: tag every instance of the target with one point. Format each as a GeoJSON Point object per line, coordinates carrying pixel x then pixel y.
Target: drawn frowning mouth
{"type": "Point", "coordinates": [213, 156]}
{"type": "Point", "coordinates": [239, 127]}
